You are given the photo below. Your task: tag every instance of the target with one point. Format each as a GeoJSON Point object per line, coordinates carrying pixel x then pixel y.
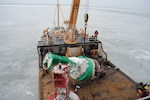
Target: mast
{"type": "Point", "coordinates": [58, 11]}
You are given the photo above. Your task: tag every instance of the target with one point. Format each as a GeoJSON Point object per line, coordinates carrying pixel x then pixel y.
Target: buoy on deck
{"type": "Point", "coordinates": [81, 68]}
{"type": "Point", "coordinates": [61, 92]}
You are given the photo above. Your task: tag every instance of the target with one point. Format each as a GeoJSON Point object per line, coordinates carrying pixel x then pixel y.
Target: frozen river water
{"type": "Point", "coordinates": [125, 35]}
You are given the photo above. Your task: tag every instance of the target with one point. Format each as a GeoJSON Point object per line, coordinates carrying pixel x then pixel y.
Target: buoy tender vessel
{"type": "Point", "coordinates": [74, 66]}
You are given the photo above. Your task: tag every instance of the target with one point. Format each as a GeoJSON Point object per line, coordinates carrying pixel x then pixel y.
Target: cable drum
{"type": "Point", "coordinates": [74, 51]}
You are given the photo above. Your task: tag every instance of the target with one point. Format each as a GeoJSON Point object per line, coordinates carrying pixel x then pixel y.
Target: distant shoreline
{"type": "Point", "coordinates": [100, 8]}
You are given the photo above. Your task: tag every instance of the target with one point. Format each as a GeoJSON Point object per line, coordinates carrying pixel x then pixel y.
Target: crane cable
{"type": "Point", "coordinates": [86, 17]}
{"type": "Point", "coordinates": [86, 12]}
{"type": "Point", "coordinates": [87, 6]}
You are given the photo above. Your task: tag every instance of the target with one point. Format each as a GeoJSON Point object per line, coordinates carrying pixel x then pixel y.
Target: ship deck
{"type": "Point", "coordinates": [114, 86]}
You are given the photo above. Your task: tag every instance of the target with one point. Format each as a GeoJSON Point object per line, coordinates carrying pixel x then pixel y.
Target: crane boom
{"type": "Point", "coordinates": [74, 14]}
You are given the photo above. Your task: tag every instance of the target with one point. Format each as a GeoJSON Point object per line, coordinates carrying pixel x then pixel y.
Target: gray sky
{"type": "Point", "coordinates": [130, 4]}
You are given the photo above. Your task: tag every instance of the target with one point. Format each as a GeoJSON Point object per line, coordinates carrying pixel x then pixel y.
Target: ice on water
{"type": "Point", "coordinates": [124, 34]}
